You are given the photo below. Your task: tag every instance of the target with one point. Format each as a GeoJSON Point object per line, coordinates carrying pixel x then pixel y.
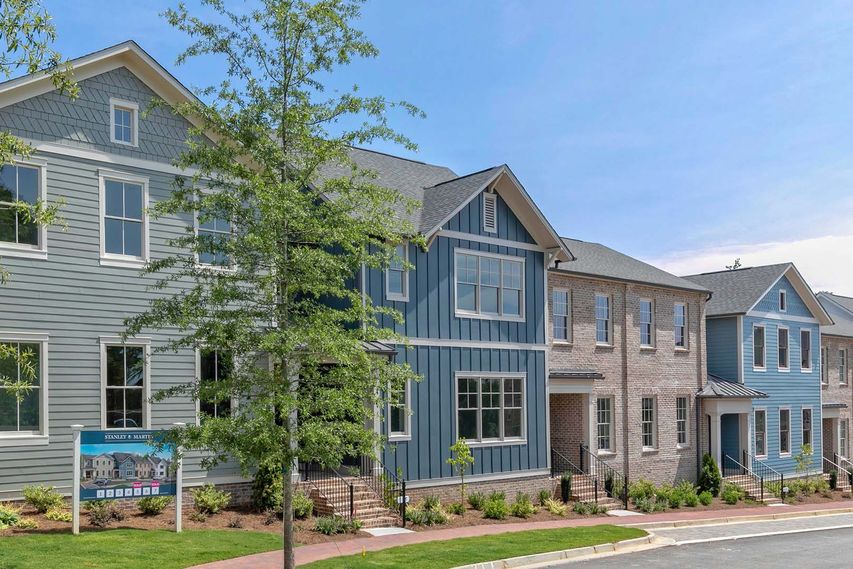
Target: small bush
{"type": "Point", "coordinates": [266, 489]}
{"type": "Point", "coordinates": [522, 507]}
{"type": "Point", "coordinates": [43, 498]}
{"type": "Point", "coordinates": [198, 517]}
{"type": "Point", "coordinates": [566, 487]}
{"type": "Point", "coordinates": [419, 515]}
{"type": "Point", "coordinates": [822, 486]}
{"type": "Point", "coordinates": [103, 512]}
{"type": "Point", "coordinates": [497, 495]}
{"type": "Point", "coordinates": [691, 500]}
{"type": "Point", "coordinates": [208, 500]}
{"type": "Point", "coordinates": [732, 493]}
{"type": "Point", "coordinates": [476, 500]}
{"type": "Point", "coordinates": [650, 505]}
{"type": "Point", "coordinates": [9, 516]}
{"type": "Point", "coordinates": [58, 515]}
{"type": "Point", "coordinates": [555, 507]}
{"type": "Point", "coordinates": [668, 495]}
{"type": "Point", "coordinates": [456, 508]}
{"type": "Point", "coordinates": [710, 478]}
{"type": "Point", "coordinates": [153, 505]}
{"type": "Point", "coordinates": [641, 489]}
{"type": "Point", "coordinates": [27, 523]}
{"type": "Point", "coordinates": [705, 498]}
{"type": "Point", "coordinates": [833, 479]}
{"type": "Point", "coordinates": [235, 522]}
{"type": "Point", "coordinates": [588, 508]}
{"type": "Point", "coordinates": [303, 506]}
{"type": "Point", "coordinates": [271, 517]}
{"type": "Point", "coordinates": [333, 525]}
{"type": "Point", "coordinates": [432, 503]}
{"type": "Point", "coordinates": [544, 496]}
{"type": "Point", "coordinates": [495, 510]}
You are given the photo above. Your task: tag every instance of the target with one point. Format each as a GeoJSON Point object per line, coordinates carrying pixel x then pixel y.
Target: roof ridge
{"type": "Point", "coordinates": [388, 154]}
{"type": "Point", "coordinates": [788, 263]}
{"type": "Point", "coordinates": [457, 178]}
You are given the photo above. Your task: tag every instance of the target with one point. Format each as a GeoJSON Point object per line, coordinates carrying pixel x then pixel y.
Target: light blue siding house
{"type": "Point", "coordinates": [762, 403]}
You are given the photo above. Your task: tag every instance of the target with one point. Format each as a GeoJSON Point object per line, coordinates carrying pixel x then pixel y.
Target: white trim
{"type": "Point", "coordinates": [786, 317]}
{"type": "Point", "coordinates": [478, 315]}
{"type": "Point", "coordinates": [145, 343]}
{"type": "Point", "coordinates": [755, 431]}
{"type": "Point", "coordinates": [783, 300]}
{"type": "Point", "coordinates": [134, 120]}
{"type": "Point", "coordinates": [609, 297]}
{"type": "Point", "coordinates": [652, 324]}
{"type": "Point", "coordinates": [490, 240]}
{"type": "Point", "coordinates": [787, 453]}
{"type": "Point", "coordinates": [802, 427]}
{"type": "Point", "coordinates": [686, 422]}
{"type": "Point", "coordinates": [234, 400]}
{"type": "Point", "coordinates": [25, 251]}
{"type": "Point", "coordinates": [113, 259]}
{"type": "Point", "coordinates": [428, 483]}
{"type": "Point", "coordinates": [811, 354]}
{"type": "Point", "coordinates": [111, 159]}
{"type": "Point", "coordinates": [686, 346]}
{"type": "Point", "coordinates": [42, 437]}
{"type": "Point", "coordinates": [655, 442]}
{"type": "Point", "coordinates": [611, 426]}
{"type": "Point", "coordinates": [763, 347]}
{"type": "Point", "coordinates": [447, 343]}
{"type": "Point", "coordinates": [779, 366]}
{"type": "Point", "coordinates": [739, 321]}
{"type": "Point", "coordinates": [843, 379]}
{"type": "Point", "coordinates": [503, 440]}
{"type": "Point", "coordinates": [404, 296]}
{"type": "Point", "coordinates": [490, 198]}
{"type": "Point", "coordinates": [569, 320]}
{"type": "Point", "coordinates": [406, 434]}
{"type": "Point", "coordinates": [805, 293]}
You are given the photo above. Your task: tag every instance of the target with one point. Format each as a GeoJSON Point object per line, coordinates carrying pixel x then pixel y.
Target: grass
{"type": "Point", "coordinates": [131, 549]}
{"type": "Point", "coordinates": [454, 552]}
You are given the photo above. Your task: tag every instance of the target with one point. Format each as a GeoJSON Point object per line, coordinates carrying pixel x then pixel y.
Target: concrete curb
{"type": "Point", "coordinates": [740, 519]}
{"type": "Point", "coordinates": [545, 559]}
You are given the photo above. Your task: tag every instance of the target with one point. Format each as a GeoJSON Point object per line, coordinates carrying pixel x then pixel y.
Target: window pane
{"type": "Point", "coordinates": [113, 239]}
{"type": "Point", "coordinates": [8, 411]}
{"type": "Point", "coordinates": [489, 300]}
{"type": "Point", "coordinates": [32, 353]}
{"type": "Point", "coordinates": [512, 302]}
{"type": "Point", "coordinates": [466, 297]}
{"type": "Point", "coordinates": [29, 411]}
{"type": "Point", "coordinates": [207, 365]}
{"type": "Point", "coordinates": [491, 423]}
{"type": "Point", "coordinates": [133, 201]}
{"type": "Point", "coordinates": [28, 181]}
{"type": "Point", "coordinates": [490, 272]}
{"type": "Point", "coordinates": [758, 347]}
{"type": "Point", "coordinates": [115, 365]}
{"type": "Point", "coordinates": [395, 281]}
{"type": "Point", "coordinates": [206, 258]}
{"type": "Point", "coordinates": [224, 364]}
{"type": "Point", "coordinates": [134, 407]}
{"type": "Point", "coordinates": [512, 423]}
{"type": "Point", "coordinates": [8, 175]}
{"type": "Point", "coordinates": [512, 274]}
{"type": "Point", "coordinates": [135, 366]}
{"type": "Point", "coordinates": [27, 232]}
{"type": "Point", "coordinates": [468, 424]}
{"type": "Point", "coordinates": [466, 269]}
{"type": "Point", "coordinates": [132, 238]}
{"type": "Point", "coordinates": [113, 198]}
{"type": "Point", "coordinates": [7, 225]}
{"type": "Point", "coordinates": [115, 408]}
{"type": "Point", "coordinates": [398, 419]}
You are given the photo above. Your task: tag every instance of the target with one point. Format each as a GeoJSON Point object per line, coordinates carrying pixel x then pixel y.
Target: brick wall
{"type": "Point", "coordinates": [834, 391]}
{"type": "Point", "coordinates": [450, 493]}
{"type": "Point", "coordinates": [567, 424]}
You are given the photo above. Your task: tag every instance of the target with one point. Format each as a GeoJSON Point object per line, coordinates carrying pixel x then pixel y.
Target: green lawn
{"type": "Point", "coordinates": [130, 549]}
{"type": "Point", "coordinates": [445, 554]}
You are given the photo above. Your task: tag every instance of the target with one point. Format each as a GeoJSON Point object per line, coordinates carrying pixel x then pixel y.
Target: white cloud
{"type": "Point", "coordinates": [825, 262]}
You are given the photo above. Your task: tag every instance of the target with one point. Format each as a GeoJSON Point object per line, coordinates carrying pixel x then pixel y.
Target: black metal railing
{"type": "Point", "coordinates": [774, 481]}
{"type": "Point", "coordinates": [732, 467]}
{"type": "Point", "coordinates": [613, 482]}
{"type": "Point", "coordinates": [847, 465]}
{"type": "Point", "coordinates": [389, 487]}
{"type": "Point", "coordinates": [841, 466]}
{"type": "Point", "coordinates": [338, 492]}
{"type": "Point", "coordinates": [580, 489]}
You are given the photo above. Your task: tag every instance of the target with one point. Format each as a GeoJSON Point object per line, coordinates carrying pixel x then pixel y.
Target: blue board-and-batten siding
{"type": "Point", "coordinates": [470, 220]}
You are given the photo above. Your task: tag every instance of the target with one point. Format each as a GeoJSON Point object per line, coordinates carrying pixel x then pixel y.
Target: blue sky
{"type": "Point", "coordinates": [683, 133]}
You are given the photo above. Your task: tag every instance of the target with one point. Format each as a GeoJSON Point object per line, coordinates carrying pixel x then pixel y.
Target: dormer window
{"type": "Point", "coordinates": [123, 122]}
{"type": "Point", "coordinates": [783, 301]}
{"type": "Point", "coordinates": [490, 213]}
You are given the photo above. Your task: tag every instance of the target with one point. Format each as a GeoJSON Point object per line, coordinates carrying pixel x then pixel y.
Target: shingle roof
{"type": "Point", "coordinates": [840, 309]}
{"type": "Point", "coordinates": [718, 387]}
{"type": "Point", "coordinates": [595, 259]}
{"type": "Point", "coordinates": [444, 198]}
{"type": "Point", "coordinates": [737, 291]}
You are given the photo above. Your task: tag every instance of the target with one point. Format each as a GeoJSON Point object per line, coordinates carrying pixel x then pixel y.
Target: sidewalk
{"type": "Point", "coordinates": [309, 553]}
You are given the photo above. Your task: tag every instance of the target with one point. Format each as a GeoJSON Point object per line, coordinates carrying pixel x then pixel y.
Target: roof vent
{"type": "Point", "coordinates": [490, 213]}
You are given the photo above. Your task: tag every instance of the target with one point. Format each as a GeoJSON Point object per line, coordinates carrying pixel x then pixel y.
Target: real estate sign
{"type": "Point", "coordinates": [124, 464]}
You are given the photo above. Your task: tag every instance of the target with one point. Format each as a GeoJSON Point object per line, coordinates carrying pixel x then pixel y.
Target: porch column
{"type": "Point", "coordinates": [743, 427]}
{"type": "Point", "coordinates": [716, 438]}
{"type": "Point", "coordinates": [590, 422]}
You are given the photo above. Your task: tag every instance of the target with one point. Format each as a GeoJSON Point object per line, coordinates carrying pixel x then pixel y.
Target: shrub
{"type": "Point", "coordinates": [691, 500]}
{"type": "Point", "coordinates": [199, 517]}
{"type": "Point", "coordinates": [522, 507]}
{"type": "Point", "coordinates": [103, 512]}
{"type": "Point", "coordinates": [432, 503]}
{"type": "Point", "coordinates": [476, 500]}
{"type": "Point", "coordinates": [684, 494]}
{"type": "Point", "coordinates": [267, 488]}
{"type": "Point", "coordinates": [709, 478]}
{"type": "Point", "coordinates": [497, 495]}
{"type": "Point", "coordinates": [43, 498]}
{"type": "Point", "coordinates": [153, 505]}
{"type": "Point", "coordinates": [668, 495]}
{"type": "Point", "coordinates": [208, 500]}
{"type": "Point", "coordinates": [555, 507]}
{"type": "Point", "coordinates": [332, 525]}
{"type": "Point", "coordinates": [419, 515]}
{"type": "Point", "coordinates": [649, 505]}
{"type": "Point", "coordinates": [456, 508]}
{"type": "Point", "coordinates": [566, 487]}
{"type": "Point", "coordinates": [58, 515]}
{"type": "Point", "coordinates": [705, 498]}
{"type": "Point", "coordinates": [641, 489]}
{"type": "Point", "coordinates": [732, 493]}
{"type": "Point", "coordinates": [303, 506]}
{"type": "Point", "coordinates": [588, 508]}
{"type": "Point", "coordinates": [235, 522]}
{"type": "Point", "coordinates": [833, 479]}
{"type": "Point", "coordinates": [9, 516]}
{"type": "Point", "coordinates": [544, 496]}
{"type": "Point", "coordinates": [821, 485]}
{"type": "Point", "coordinates": [495, 510]}
{"type": "Point", "coordinates": [27, 523]}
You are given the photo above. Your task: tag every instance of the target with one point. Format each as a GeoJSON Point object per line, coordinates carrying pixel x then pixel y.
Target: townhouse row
{"type": "Point", "coordinates": [547, 354]}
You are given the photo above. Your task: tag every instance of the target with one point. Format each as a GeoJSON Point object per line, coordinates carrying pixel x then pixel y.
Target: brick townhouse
{"type": "Point", "coordinates": [836, 343]}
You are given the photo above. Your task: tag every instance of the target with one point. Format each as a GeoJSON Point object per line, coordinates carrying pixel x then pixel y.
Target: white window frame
{"type": "Point", "coordinates": [24, 250]}
{"type": "Point", "coordinates": [686, 333]}
{"type": "Point", "coordinates": [609, 424]}
{"type": "Point", "coordinates": [609, 298]}
{"type": "Point", "coordinates": [134, 121]}
{"type": "Point", "coordinates": [654, 423]}
{"type": "Point", "coordinates": [787, 367]}
{"type": "Point", "coordinates": [230, 267]}
{"type": "Point", "coordinates": [783, 300]}
{"type": "Point", "coordinates": [808, 332]}
{"type": "Point", "coordinates": [685, 420]}
{"type": "Point", "coordinates": [803, 426]}
{"type": "Point", "coordinates": [843, 434]}
{"type": "Point", "coordinates": [30, 438]}
{"type": "Point", "coordinates": [488, 316]}
{"type": "Point", "coordinates": [763, 411]}
{"type": "Point", "coordinates": [503, 440]}
{"type": "Point", "coordinates": [568, 315]}
{"type": "Point", "coordinates": [843, 366]}
{"type": "Point", "coordinates": [114, 259]}
{"type": "Point", "coordinates": [406, 434]}
{"type": "Point", "coordinates": [651, 323]}
{"type": "Point", "coordinates": [145, 344]}
{"type": "Point", "coordinates": [493, 198]}
{"type": "Point", "coordinates": [234, 400]}
{"type": "Point", "coordinates": [824, 365]}
{"type": "Point", "coordinates": [404, 296]}
{"type": "Point", "coordinates": [763, 348]}
{"type": "Point", "coordinates": [786, 453]}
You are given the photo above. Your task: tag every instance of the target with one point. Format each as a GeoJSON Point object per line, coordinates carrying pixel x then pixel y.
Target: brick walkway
{"type": "Point", "coordinates": [309, 553]}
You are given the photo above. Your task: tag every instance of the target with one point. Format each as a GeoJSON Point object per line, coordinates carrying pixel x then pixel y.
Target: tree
{"type": "Point", "coordinates": [460, 459]}
{"type": "Point", "coordinates": [270, 154]}
{"type": "Point", "coordinates": [734, 266]}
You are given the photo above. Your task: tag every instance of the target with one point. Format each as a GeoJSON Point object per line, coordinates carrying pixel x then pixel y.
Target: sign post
{"type": "Point", "coordinates": [179, 484]}
{"type": "Point", "coordinates": [75, 481]}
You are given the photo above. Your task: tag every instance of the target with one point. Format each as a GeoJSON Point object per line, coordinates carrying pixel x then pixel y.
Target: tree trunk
{"type": "Point", "coordinates": [287, 515]}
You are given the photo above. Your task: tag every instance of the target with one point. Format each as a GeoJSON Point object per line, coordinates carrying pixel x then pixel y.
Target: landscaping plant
{"type": "Point", "coordinates": [803, 459]}
{"type": "Point", "coordinates": [58, 515]}
{"type": "Point", "coordinates": [555, 507]}
{"type": "Point", "coordinates": [732, 493]}
{"type": "Point", "coordinates": [544, 496]}
{"type": "Point", "coordinates": [522, 507]}
{"type": "Point", "coordinates": [588, 508]}
{"type": "Point", "coordinates": [705, 498]}
{"type": "Point", "coordinates": [9, 516]}
{"type": "Point", "coordinates": [833, 479]}
{"type": "Point", "coordinates": [427, 513]}
{"type": "Point", "coordinates": [266, 488]}
{"type": "Point", "coordinates": [566, 487]}
{"type": "Point", "coordinates": [153, 505]}
{"type": "Point", "coordinates": [303, 506]}
{"type": "Point", "coordinates": [102, 513]}
{"type": "Point", "coordinates": [208, 500]}
{"type": "Point", "coordinates": [456, 508]}
{"type": "Point", "coordinates": [43, 498]}
{"type": "Point", "coordinates": [332, 525]}
{"type": "Point", "coordinates": [460, 459]}
{"type": "Point", "coordinates": [709, 477]}
{"type": "Point", "coordinates": [476, 500]}
{"type": "Point", "coordinates": [495, 509]}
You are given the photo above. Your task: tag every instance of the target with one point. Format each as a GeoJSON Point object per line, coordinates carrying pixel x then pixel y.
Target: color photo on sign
{"type": "Point", "coordinates": [124, 464]}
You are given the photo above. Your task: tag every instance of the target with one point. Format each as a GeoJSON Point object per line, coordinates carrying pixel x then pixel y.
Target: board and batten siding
{"type": "Point", "coordinates": [470, 220]}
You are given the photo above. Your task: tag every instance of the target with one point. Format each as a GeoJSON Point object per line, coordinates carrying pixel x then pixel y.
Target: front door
{"type": "Point", "coordinates": [730, 441]}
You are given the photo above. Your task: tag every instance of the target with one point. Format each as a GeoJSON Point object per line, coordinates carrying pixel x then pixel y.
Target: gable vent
{"type": "Point", "coordinates": [490, 213]}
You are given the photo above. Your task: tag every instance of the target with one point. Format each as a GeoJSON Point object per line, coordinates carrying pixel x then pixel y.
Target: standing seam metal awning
{"type": "Point", "coordinates": [719, 388]}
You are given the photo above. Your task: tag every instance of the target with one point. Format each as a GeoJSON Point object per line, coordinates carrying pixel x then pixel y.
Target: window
{"type": "Point", "coordinates": [805, 350]}
{"type": "Point", "coordinates": [397, 275]}
{"type": "Point", "coordinates": [842, 367]}
{"type": "Point", "coordinates": [490, 408]}
{"type": "Point", "coordinates": [20, 183]}
{"type": "Point", "coordinates": [680, 325]}
{"type": "Point", "coordinates": [561, 301]}
{"type": "Point", "coordinates": [125, 385]}
{"type": "Point", "coordinates": [760, 432]}
{"type": "Point", "coordinates": [489, 286]}
{"type": "Point", "coordinates": [807, 426]}
{"type": "Point", "coordinates": [824, 366]}
{"type": "Point", "coordinates": [213, 234]}
{"type": "Point", "coordinates": [490, 213]}
{"type": "Point", "coordinates": [124, 122]}
{"type": "Point", "coordinates": [784, 431]}
{"type": "Point", "coordinates": [758, 347]}
{"type": "Point", "coordinates": [602, 319]}
{"type": "Point", "coordinates": [647, 323]}
{"type": "Point", "coordinates": [783, 301]}
{"type": "Point", "coordinates": [124, 222]}
{"type": "Point", "coordinates": [842, 437]}
{"type": "Point", "coordinates": [604, 420]}
{"type": "Point", "coordinates": [782, 338]}
{"type": "Point", "coordinates": [398, 412]}
{"type": "Point", "coordinates": [648, 420]}
{"type": "Point", "coordinates": [214, 366]}
{"type": "Point", "coordinates": [681, 420]}
{"type": "Point", "coordinates": [26, 363]}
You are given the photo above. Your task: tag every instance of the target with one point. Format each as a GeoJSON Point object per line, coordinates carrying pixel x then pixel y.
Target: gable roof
{"type": "Point", "coordinates": [840, 308]}
{"type": "Point", "coordinates": [599, 261]}
{"type": "Point", "coordinates": [738, 291]}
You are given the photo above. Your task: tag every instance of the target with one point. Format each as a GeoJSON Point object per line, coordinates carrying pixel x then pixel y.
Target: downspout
{"type": "Point", "coordinates": [702, 381]}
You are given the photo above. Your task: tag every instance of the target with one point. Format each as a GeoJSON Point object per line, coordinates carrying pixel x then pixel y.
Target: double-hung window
{"type": "Point", "coordinates": [784, 431]}
{"type": "Point", "coordinates": [681, 413]}
{"type": "Point", "coordinates": [680, 325]}
{"type": "Point", "coordinates": [398, 412]}
{"type": "Point", "coordinates": [647, 323]}
{"type": "Point", "coordinates": [491, 286]}
{"type": "Point", "coordinates": [758, 349]}
{"type": "Point", "coordinates": [23, 388]}
{"type": "Point", "coordinates": [124, 221]}
{"type": "Point", "coordinates": [824, 366]}
{"type": "Point", "coordinates": [124, 372]}
{"type": "Point", "coordinates": [842, 437]}
{"type": "Point", "coordinates": [124, 122]}
{"type": "Point", "coordinates": [782, 337]}
{"type": "Point", "coordinates": [648, 421]}
{"type": "Point", "coordinates": [397, 275]}
{"type": "Point", "coordinates": [213, 236]}
{"type": "Point", "coordinates": [214, 369]}
{"type": "Point", "coordinates": [604, 421]}
{"type": "Point", "coordinates": [807, 426]}
{"type": "Point", "coordinates": [805, 350]}
{"type": "Point", "coordinates": [20, 184]}
{"type": "Point", "coordinates": [603, 323]}
{"type": "Point", "coordinates": [490, 409]}
{"type": "Point", "coordinates": [842, 367]}
{"type": "Point", "coordinates": [561, 306]}
{"type": "Point", "coordinates": [760, 432]}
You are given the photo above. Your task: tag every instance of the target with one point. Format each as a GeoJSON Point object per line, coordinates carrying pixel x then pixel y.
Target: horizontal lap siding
{"type": "Point", "coordinates": [722, 347]}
